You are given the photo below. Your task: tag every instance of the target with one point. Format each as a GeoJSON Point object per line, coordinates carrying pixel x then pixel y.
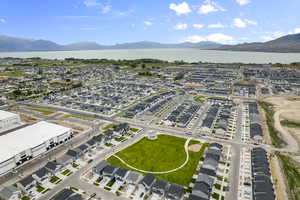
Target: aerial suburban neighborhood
{"type": "Point", "coordinates": [148, 130]}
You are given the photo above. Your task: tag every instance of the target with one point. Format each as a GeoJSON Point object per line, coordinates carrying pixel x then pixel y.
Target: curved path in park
{"type": "Point", "coordinates": [186, 145]}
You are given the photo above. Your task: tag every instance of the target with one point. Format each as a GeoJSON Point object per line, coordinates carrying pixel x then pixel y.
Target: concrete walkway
{"type": "Point", "coordinates": [186, 145]}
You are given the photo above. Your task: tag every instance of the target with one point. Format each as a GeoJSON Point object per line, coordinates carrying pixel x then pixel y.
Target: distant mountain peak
{"type": "Point", "coordinates": [285, 44]}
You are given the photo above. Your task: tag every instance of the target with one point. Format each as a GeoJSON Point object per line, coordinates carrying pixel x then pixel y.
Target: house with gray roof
{"type": "Point", "coordinates": [42, 175]}
{"type": "Point", "coordinates": [26, 183]}
{"type": "Point", "coordinates": [99, 168]}
{"type": "Point", "coordinates": [133, 178]}
{"type": "Point", "coordinates": [175, 192]}
{"type": "Point", "coordinates": [53, 167]}
{"type": "Point", "coordinates": [160, 187]}
{"type": "Point", "coordinates": [202, 189]}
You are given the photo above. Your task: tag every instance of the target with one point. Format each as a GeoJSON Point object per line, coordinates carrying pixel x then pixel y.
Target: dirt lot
{"type": "Point", "coordinates": [195, 147]}
{"type": "Point", "coordinates": [287, 108]}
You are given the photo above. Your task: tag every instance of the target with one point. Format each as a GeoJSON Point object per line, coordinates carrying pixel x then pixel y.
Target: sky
{"type": "Point", "coordinates": [165, 21]}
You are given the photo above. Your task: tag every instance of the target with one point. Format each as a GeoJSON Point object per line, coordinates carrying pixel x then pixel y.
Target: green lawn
{"type": "Point", "coordinates": [25, 198]}
{"type": "Point", "coordinates": [13, 74]}
{"type": "Point", "coordinates": [163, 154]}
{"type": "Point", "coordinates": [200, 99]}
{"type": "Point", "coordinates": [67, 172]}
{"type": "Point", "coordinates": [120, 139]}
{"type": "Point", "coordinates": [42, 110]}
{"type": "Point", "coordinates": [39, 188]}
{"type": "Point", "coordinates": [54, 179]}
{"type": "Point", "coordinates": [134, 129]}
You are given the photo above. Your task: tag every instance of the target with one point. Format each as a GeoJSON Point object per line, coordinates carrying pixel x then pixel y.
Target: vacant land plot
{"type": "Point", "coordinates": [13, 74]}
{"type": "Point", "coordinates": [292, 174]}
{"type": "Point", "coordinates": [78, 117]}
{"type": "Point", "coordinates": [42, 110]}
{"type": "Point", "coordinates": [163, 154]}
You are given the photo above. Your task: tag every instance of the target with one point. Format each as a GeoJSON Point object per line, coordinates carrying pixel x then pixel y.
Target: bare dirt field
{"type": "Point", "coordinates": [287, 108]}
{"type": "Point", "coordinates": [194, 147]}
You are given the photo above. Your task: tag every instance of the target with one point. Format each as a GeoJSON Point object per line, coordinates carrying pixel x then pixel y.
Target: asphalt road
{"type": "Point", "coordinates": [235, 159]}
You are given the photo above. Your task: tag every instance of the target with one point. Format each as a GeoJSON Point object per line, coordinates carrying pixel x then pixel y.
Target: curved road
{"type": "Point", "coordinates": [186, 145]}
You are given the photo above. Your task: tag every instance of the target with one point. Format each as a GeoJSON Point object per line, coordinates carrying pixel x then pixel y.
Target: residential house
{"type": "Point", "coordinates": [53, 167]}
{"type": "Point", "coordinates": [159, 187]}
{"type": "Point", "coordinates": [175, 192]}
{"type": "Point", "coordinates": [42, 175]}
{"type": "Point", "coordinates": [26, 183]}
{"type": "Point", "coordinates": [99, 168]}
{"type": "Point", "coordinates": [147, 182]}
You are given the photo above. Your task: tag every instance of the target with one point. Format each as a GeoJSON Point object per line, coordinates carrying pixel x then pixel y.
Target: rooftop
{"type": "Point", "coordinates": [5, 115]}
{"type": "Point", "coordinates": [28, 137]}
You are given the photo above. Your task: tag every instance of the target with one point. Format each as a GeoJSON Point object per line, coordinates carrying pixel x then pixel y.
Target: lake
{"type": "Point", "coordinates": [188, 55]}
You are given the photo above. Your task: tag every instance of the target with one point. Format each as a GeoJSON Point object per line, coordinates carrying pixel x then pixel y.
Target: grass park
{"type": "Point", "coordinates": [163, 154]}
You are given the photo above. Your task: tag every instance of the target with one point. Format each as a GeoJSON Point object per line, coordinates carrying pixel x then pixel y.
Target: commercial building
{"type": "Point", "coordinates": [8, 120]}
{"type": "Point", "coordinates": [24, 144]}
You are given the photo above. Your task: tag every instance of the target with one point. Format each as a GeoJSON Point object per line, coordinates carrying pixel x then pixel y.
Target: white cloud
{"type": "Point", "coordinates": [219, 37]}
{"type": "Point", "coordinates": [180, 26]}
{"type": "Point", "coordinates": [3, 21]}
{"type": "Point", "coordinates": [198, 26]}
{"type": "Point", "coordinates": [105, 9]}
{"type": "Point", "coordinates": [95, 3]}
{"type": "Point", "coordinates": [296, 31]}
{"type": "Point", "coordinates": [215, 37]}
{"type": "Point", "coordinates": [243, 2]}
{"type": "Point", "coordinates": [277, 34]}
{"type": "Point", "coordinates": [194, 39]}
{"type": "Point", "coordinates": [251, 22]}
{"type": "Point", "coordinates": [238, 22]}
{"type": "Point", "coordinates": [148, 23]}
{"type": "Point", "coordinates": [180, 9]}
{"type": "Point", "coordinates": [243, 23]}
{"type": "Point", "coordinates": [90, 3]}
{"type": "Point", "coordinates": [209, 7]}
{"type": "Point", "coordinates": [218, 25]}
{"type": "Point", "coordinates": [273, 36]}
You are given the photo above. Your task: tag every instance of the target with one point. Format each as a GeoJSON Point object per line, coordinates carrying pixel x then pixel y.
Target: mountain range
{"type": "Point", "coordinates": [285, 44]}
{"type": "Point", "coordinates": [11, 44]}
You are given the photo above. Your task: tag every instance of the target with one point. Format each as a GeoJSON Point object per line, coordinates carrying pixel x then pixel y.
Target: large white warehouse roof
{"type": "Point", "coordinates": [5, 115]}
{"type": "Point", "coordinates": [29, 137]}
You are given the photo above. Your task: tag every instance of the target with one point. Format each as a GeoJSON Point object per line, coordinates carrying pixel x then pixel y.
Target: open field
{"type": "Point", "coordinates": [163, 154]}
{"type": "Point", "coordinates": [42, 110]}
{"type": "Point", "coordinates": [286, 115]}
{"type": "Point", "coordinates": [13, 74]}
{"type": "Point", "coordinates": [77, 116]}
